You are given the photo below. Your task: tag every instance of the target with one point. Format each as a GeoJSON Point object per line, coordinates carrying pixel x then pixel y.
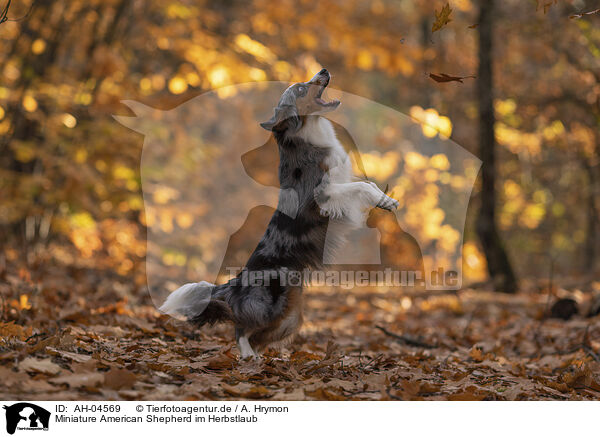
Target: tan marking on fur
{"type": "Point", "coordinates": [285, 326]}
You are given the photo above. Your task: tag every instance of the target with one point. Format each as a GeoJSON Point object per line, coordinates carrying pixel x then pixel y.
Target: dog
{"type": "Point", "coordinates": [318, 193]}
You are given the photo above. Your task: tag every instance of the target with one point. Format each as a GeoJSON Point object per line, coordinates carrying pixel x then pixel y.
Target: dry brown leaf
{"type": "Point", "coordinates": [302, 357]}
{"type": "Point", "coordinates": [443, 77]}
{"type": "Point", "coordinates": [476, 353]}
{"type": "Point", "coordinates": [560, 386]}
{"type": "Point", "coordinates": [441, 18]}
{"type": "Point", "coordinates": [32, 385]}
{"type": "Point", "coordinates": [323, 394]}
{"type": "Point", "coordinates": [10, 330]}
{"type": "Point", "coordinates": [78, 358]}
{"type": "Point", "coordinates": [74, 380]}
{"type": "Point", "coordinates": [220, 362]}
{"type": "Point", "coordinates": [580, 15]}
{"type": "Point", "coordinates": [45, 366]}
{"type": "Point", "coordinates": [545, 4]}
{"type": "Point", "coordinates": [470, 393]}
{"type": "Point", "coordinates": [119, 378]}
{"type": "Point", "coordinates": [254, 392]}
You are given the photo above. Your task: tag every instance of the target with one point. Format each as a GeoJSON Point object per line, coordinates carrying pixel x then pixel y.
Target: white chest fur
{"type": "Point", "coordinates": [319, 132]}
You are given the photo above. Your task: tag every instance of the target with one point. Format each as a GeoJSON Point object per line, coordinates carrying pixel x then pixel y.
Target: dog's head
{"type": "Point", "coordinates": [299, 101]}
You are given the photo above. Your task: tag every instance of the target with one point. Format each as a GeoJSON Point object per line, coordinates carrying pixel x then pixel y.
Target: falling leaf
{"type": "Point", "coordinates": [442, 77]}
{"type": "Point", "coordinates": [545, 4]}
{"type": "Point", "coordinates": [577, 16]}
{"type": "Point", "coordinates": [441, 18]}
{"type": "Point", "coordinates": [473, 26]}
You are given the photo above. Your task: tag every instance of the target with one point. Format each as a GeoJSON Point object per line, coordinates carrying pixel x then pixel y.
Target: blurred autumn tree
{"type": "Point", "coordinates": [70, 183]}
{"type": "Point", "coordinates": [498, 263]}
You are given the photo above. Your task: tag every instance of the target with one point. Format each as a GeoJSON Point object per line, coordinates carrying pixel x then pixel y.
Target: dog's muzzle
{"type": "Point", "coordinates": [321, 79]}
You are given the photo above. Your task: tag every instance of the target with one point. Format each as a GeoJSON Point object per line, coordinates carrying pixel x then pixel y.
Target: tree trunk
{"type": "Point", "coordinates": [499, 267]}
{"type": "Point", "coordinates": [425, 92]}
{"type": "Point", "coordinates": [591, 166]}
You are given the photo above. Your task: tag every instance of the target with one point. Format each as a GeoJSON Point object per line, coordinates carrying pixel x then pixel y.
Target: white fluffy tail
{"type": "Point", "coordinates": [188, 301]}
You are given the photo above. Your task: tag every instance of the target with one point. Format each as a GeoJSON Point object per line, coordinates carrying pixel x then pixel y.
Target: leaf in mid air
{"type": "Point", "coordinates": [443, 77]}
{"type": "Point", "coordinates": [441, 18]}
{"type": "Point", "coordinates": [577, 16]}
{"type": "Point", "coordinates": [545, 4]}
{"type": "Point", "coordinates": [473, 26]}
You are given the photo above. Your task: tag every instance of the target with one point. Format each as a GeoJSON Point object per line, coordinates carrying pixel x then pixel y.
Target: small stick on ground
{"type": "Point", "coordinates": [538, 330]}
{"type": "Point", "coordinates": [409, 341]}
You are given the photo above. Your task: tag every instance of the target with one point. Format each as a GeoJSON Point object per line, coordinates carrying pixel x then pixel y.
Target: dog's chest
{"type": "Point", "coordinates": [338, 165]}
{"type": "Point", "coordinates": [319, 135]}
{"type": "Point", "coordinates": [301, 167]}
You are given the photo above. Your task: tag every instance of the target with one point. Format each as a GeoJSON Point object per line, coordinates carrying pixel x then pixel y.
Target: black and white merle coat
{"type": "Point", "coordinates": [317, 190]}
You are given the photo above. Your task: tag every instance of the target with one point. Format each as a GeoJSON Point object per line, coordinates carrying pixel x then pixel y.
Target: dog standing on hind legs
{"type": "Point", "coordinates": [317, 191]}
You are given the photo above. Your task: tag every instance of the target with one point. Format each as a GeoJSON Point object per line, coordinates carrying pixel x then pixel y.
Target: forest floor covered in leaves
{"type": "Point", "coordinates": [78, 334]}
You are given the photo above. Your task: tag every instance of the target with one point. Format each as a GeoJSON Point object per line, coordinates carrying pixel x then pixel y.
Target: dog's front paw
{"type": "Point", "coordinates": [373, 184]}
{"type": "Point", "coordinates": [388, 203]}
{"type": "Point", "coordinates": [249, 357]}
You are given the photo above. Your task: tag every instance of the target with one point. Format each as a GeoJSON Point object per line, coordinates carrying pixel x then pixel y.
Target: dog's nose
{"type": "Point", "coordinates": [321, 78]}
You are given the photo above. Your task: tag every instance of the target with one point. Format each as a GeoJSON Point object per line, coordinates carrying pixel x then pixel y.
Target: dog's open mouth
{"type": "Point", "coordinates": [322, 102]}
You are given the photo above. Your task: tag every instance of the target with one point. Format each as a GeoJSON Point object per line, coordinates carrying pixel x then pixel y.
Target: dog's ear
{"type": "Point", "coordinates": [285, 118]}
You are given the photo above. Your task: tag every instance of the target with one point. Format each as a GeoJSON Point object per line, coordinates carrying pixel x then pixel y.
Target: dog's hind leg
{"type": "Point", "coordinates": [243, 344]}
{"type": "Point", "coordinates": [285, 326]}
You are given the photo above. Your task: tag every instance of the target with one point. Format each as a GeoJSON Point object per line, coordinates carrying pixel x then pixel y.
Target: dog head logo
{"type": "Point", "coordinates": [26, 416]}
{"type": "Point", "coordinates": [210, 183]}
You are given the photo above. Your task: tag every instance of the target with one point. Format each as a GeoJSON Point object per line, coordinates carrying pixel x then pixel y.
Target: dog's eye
{"type": "Point", "coordinates": [301, 90]}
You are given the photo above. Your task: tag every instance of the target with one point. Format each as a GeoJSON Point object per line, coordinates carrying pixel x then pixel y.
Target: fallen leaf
{"type": "Point", "coordinates": [119, 378]}
{"type": "Point", "coordinates": [441, 18]}
{"type": "Point", "coordinates": [10, 330]}
{"type": "Point", "coordinates": [45, 366]}
{"type": "Point", "coordinates": [476, 353]}
{"type": "Point", "coordinates": [74, 380]}
{"type": "Point", "coordinates": [220, 362]}
{"type": "Point", "coordinates": [324, 395]}
{"type": "Point", "coordinates": [470, 393]}
{"type": "Point", "coordinates": [254, 392]}
{"type": "Point", "coordinates": [32, 385]}
{"type": "Point", "coordinates": [130, 395]}
{"type": "Point", "coordinates": [301, 357]}
{"type": "Point", "coordinates": [560, 386]}
{"type": "Point", "coordinates": [78, 358]}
